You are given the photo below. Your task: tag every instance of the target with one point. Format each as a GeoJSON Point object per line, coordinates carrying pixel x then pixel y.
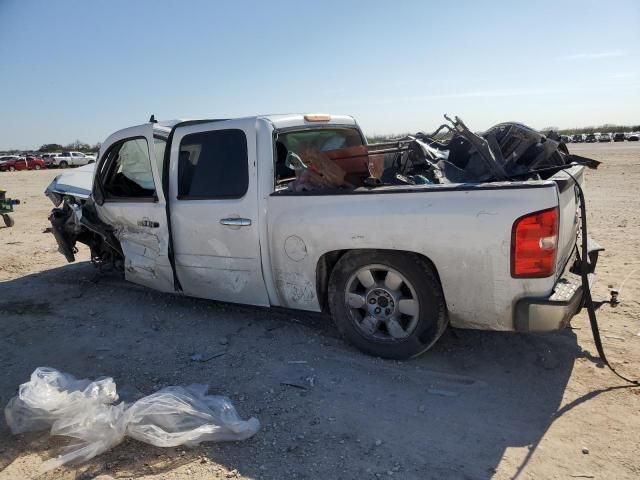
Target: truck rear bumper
{"type": "Point", "coordinates": [555, 311]}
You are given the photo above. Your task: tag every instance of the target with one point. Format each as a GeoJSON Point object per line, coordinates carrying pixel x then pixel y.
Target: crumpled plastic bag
{"type": "Point", "coordinates": [86, 411]}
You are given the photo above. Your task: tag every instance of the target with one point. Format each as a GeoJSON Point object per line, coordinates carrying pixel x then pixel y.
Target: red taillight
{"type": "Point", "coordinates": [534, 242]}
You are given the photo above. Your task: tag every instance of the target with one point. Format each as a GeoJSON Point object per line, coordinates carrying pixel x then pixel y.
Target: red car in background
{"type": "Point", "coordinates": [22, 163]}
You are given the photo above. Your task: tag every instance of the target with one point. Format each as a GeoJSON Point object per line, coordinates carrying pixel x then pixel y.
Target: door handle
{"type": "Point", "coordinates": [148, 223]}
{"type": "Point", "coordinates": [236, 222]}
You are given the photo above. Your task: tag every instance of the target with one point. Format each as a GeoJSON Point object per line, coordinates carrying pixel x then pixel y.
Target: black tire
{"type": "Point", "coordinates": [63, 164]}
{"type": "Point", "coordinates": [419, 275]}
{"type": "Point", "coordinates": [8, 220]}
{"type": "Point", "coordinates": [12, 169]}
{"type": "Point", "coordinates": [37, 167]}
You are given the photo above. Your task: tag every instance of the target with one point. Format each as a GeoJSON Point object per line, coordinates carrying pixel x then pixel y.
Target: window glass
{"type": "Point", "coordinates": [129, 170]}
{"type": "Point", "coordinates": [320, 139]}
{"type": "Point", "coordinates": [323, 139]}
{"type": "Point", "coordinates": [213, 165]}
{"type": "Point", "coordinates": [77, 155]}
{"type": "Point", "coordinates": [159, 145]}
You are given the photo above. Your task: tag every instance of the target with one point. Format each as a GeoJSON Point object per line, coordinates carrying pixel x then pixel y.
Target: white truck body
{"type": "Point", "coordinates": [273, 248]}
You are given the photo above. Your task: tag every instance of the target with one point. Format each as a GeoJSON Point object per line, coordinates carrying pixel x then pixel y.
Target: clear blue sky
{"type": "Point", "coordinates": [82, 69]}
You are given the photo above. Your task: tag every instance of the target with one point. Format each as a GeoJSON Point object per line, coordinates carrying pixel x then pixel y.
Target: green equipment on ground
{"type": "Point", "coordinates": [6, 207]}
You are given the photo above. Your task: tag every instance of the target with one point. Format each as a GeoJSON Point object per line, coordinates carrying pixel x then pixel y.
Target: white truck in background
{"type": "Point", "coordinates": [71, 159]}
{"type": "Point", "coordinates": [206, 209]}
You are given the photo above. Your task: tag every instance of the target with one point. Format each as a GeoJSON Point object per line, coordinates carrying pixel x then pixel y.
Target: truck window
{"type": "Point", "coordinates": [159, 144]}
{"type": "Point", "coordinates": [128, 170]}
{"type": "Point", "coordinates": [321, 139]}
{"type": "Point", "coordinates": [213, 165]}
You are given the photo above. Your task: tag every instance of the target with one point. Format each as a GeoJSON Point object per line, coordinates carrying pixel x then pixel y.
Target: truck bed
{"type": "Point", "coordinates": [463, 229]}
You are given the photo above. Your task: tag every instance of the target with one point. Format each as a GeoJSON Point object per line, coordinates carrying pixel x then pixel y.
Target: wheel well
{"type": "Point", "coordinates": [328, 261]}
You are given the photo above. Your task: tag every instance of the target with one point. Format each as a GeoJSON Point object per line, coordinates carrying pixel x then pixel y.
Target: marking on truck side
{"type": "Point", "coordinates": [295, 248]}
{"type": "Point", "coordinates": [295, 287]}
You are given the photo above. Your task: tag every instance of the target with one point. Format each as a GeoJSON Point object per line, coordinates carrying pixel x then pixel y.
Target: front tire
{"type": "Point", "coordinates": [37, 167]}
{"type": "Point", "coordinates": [387, 304]}
{"type": "Point", "coordinates": [63, 164]}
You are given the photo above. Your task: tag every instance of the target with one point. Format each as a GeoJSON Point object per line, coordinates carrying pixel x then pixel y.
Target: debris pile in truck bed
{"type": "Point", "coordinates": [505, 152]}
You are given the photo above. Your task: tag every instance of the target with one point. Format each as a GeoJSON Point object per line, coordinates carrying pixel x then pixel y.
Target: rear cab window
{"type": "Point", "coordinates": [308, 142]}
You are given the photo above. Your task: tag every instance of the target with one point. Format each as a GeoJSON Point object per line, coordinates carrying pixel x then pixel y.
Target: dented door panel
{"type": "Point", "coordinates": [144, 247]}
{"type": "Point", "coordinates": [139, 224]}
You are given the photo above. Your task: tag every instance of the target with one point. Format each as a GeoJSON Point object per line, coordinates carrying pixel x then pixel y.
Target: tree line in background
{"type": "Point", "coordinates": [606, 128]}
{"type": "Point", "coordinates": [76, 146]}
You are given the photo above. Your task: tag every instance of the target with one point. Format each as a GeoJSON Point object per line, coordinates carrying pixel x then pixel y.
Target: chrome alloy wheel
{"type": "Point", "coordinates": [382, 303]}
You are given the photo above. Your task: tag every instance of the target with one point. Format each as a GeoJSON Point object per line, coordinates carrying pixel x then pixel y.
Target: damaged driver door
{"type": "Point", "coordinates": [128, 197]}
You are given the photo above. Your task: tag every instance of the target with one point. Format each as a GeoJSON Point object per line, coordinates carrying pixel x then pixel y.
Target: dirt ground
{"type": "Point", "coordinates": [478, 405]}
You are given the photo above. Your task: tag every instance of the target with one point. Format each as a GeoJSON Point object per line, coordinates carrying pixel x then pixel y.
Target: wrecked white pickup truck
{"type": "Point", "coordinates": [395, 240]}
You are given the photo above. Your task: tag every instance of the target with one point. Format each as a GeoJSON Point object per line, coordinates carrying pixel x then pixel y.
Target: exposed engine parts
{"type": "Point", "coordinates": [73, 223]}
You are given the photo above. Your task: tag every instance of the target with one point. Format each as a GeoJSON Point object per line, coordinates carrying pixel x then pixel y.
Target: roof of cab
{"type": "Point", "coordinates": [282, 120]}
{"type": "Point", "coordinates": [298, 119]}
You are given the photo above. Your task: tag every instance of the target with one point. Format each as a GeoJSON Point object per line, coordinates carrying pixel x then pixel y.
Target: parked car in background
{"type": "Point", "coordinates": [72, 159]}
{"type": "Point", "coordinates": [591, 138]}
{"type": "Point", "coordinates": [604, 137]}
{"type": "Point", "coordinates": [48, 159]}
{"type": "Point", "coordinates": [618, 137]}
{"type": "Point", "coordinates": [565, 138]}
{"type": "Point", "coordinates": [10, 164]}
{"type": "Point", "coordinates": [22, 163]}
{"type": "Point", "coordinates": [7, 158]}
{"type": "Point", "coordinates": [634, 137]}
{"type": "Point", "coordinates": [577, 138]}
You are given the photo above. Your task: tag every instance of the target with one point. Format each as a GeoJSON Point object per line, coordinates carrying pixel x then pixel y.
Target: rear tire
{"type": "Point", "coordinates": [12, 169]}
{"type": "Point", "coordinates": [37, 167]}
{"type": "Point", "coordinates": [387, 304]}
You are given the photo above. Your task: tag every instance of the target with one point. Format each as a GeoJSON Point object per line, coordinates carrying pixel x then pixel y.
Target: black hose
{"type": "Point", "coordinates": [586, 290]}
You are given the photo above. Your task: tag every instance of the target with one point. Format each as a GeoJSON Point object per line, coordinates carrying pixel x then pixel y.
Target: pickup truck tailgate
{"type": "Point", "coordinates": [569, 214]}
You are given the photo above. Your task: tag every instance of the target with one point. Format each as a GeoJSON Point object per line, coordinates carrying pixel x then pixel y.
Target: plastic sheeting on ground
{"type": "Point", "coordinates": [87, 411]}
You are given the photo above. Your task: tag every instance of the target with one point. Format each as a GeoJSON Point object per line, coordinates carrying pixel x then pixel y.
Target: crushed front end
{"type": "Point", "coordinates": [75, 220]}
